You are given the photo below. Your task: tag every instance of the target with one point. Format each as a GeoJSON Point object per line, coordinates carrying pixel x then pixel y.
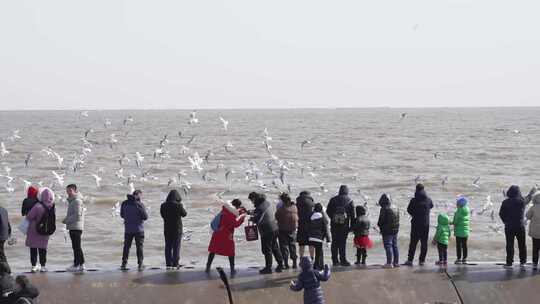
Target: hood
{"type": "Point", "coordinates": [46, 196]}
{"type": "Point", "coordinates": [420, 195]}
{"type": "Point", "coordinates": [384, 201]}
{"type": "Point", "coordinates": [261, 198]}
{"type": "Point", "coordinates": [343, 190]}
{"type": "Point", "coordinates": [536, 198]}
{"type": "Point", "coordinates": [443, 220]}
{"type": "Point", "coordinates": [305, 264]}
{"type": "Point", "coordinates": [131, 198]}
{"type": "Point", "coordinates": [514, 192]}
{"type": "Point", "coordinates": [32, 192]}
{"type": "Point", "coordinates": [174, 197]}
{"type": "Point", "coordinates": [229, 207]}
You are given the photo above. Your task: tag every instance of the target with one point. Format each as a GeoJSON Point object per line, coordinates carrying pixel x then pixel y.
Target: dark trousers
{"type": "Point", "coordinates": [34, 256]}
{"type": "Point", "coordinates": [172, 249]}
{"type": "Point", "coordinates": [211, 257]}
{"type": "Point", "coordinates": [391, 248]}
{"type": "Point", "coordinates": [461, 248]}
{"type": "Point", "coordinates": [536, 250]}
{"type": "Point", "coordinates": [361, 255]}
{"type": "Point", "coordinates": [139, 241]}
{"type": "Point", "coordinates": [339, 243]}
{"type": "Point", "coordinates": [287, 246]}
{"type": "Point", "coordinates": [318, 263]}
{"type": "Point", "coordinates": [78, 256]}
{"type": "Point", "coordinates": [269, 246]}
{"type": "Point", "coordinates": [519, 234]}
{"type": "Point", "coordinates": [2, 252]}
{"type": "Point", "coordinates": [419, 234]}
{"type": "Point", "coordinates": [443, 252]}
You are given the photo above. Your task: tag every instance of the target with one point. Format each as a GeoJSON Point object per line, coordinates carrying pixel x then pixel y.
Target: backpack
{"type": "Point", "coordinates": [214, 224]}
{"type": "Point", "coordinates": [47, 223]}
{"type": "Point", "coordinates": [340, 216]}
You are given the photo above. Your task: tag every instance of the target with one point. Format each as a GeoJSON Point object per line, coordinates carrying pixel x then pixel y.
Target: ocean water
{"type": "Point", "coordinates": [373, 151]}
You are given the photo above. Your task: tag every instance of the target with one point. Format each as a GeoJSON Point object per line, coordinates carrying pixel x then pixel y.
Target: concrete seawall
{"type": "Point", "coordinates": [484, 283]}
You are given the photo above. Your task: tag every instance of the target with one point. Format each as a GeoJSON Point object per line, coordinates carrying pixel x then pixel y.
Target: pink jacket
{"type": "Point", "coordinates": [33, 238]}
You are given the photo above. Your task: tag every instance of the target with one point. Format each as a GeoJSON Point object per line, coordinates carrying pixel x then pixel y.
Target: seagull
{"type": "Point", "coordinates": [444, 181]}
{"type": "Point", "coordinates": [88, 131]}
{"type": "Point", "coordinates": [516, 131]}
{"type": "Point", "coordinates": [190, 140]}
{"type": "Point", "coordinates": [27, 184]}
{"type": "Point", "coordinates": [163, 141]}
{"type": "Point", "coordinates": [97, 179]}
{"type": "Point", "coordinates": [14, 136]}
{"type": "Point", "coordinates": [475, 183]}
{"type": "Point", "coordinates": [112, 140]}
{"type": "Point", "coordinates": [184, 150]}
{"type": "Point", "coordinates": [305, 142]}
{"type": "Point", "coordinates": [127, 120]}
{"type": "Point", "coordinates": [139, 159]}
{"type": "Point", "coordinates": [224, 122]}
{"type": "Point", "coordinates": [403, 116]}
{"type": "Point", "coordinates": [83, 114]}
{"type": "Point", "coordinates": [120, 173]}
{"type": "Point", "coordinates": [9, 187]}
{"type": "Point", "coordinates": [193, 118]}
{"type": "Point", "coordinates": [3, 150]}
{"type": "Point", "coordinates": [417, 179]}
{"type": "Point", "coordinates": [107, 123]}
{"type": "Point", "coordinates": [228, 147]}
{"type": "Point", "coordinates": [196, 162]}
{"type": "Point", "coordinates": [49, 151]}
{"type": "Point", "coordinates": [123, 159]}
{"type": "Point", "coordinates": [59, 159]}
{"type": "Point", "coordinates": [59, 178]}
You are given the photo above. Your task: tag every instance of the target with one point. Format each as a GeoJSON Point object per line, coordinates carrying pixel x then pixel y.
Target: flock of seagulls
{"type": "Point", "coordinates": [270, 175]}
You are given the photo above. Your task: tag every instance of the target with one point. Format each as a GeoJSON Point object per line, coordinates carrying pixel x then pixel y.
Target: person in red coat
{"type": "Point", "coordinates": [222, 242]}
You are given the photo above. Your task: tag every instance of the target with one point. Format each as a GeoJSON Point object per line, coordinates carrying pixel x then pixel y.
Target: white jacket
{"type": "Point", "coordinates": [533, 214]}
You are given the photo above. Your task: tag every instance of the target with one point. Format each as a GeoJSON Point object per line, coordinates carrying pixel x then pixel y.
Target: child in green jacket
{"type": "Point", "coordinates": [441, 238]}
{"type": "Point", "coordinates": [462, 228]}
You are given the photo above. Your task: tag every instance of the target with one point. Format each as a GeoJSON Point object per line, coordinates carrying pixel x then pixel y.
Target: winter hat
{"type": "Point", "coordinates": [419, 187]}
{"type": "Point", "coordinates": [462, 201]}
{"type": "Point", "coordinates": [32, 192]}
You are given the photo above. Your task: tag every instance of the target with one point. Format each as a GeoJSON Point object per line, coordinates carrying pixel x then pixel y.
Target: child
{"type": "Point", "coordinates": [461, 229]}
{"type": "Point", "coordinates": [441, 238]}
{"type": "Point", "coordinates": [310, 281]}
{"type": "Point", "coordinates": [318, 231]}
{"type": "Point", "coordinates": [25, 292]}
{"type": "Point", "coordinates": [361, 235]}
{"type": "Point", "coordinates": [389, 227]}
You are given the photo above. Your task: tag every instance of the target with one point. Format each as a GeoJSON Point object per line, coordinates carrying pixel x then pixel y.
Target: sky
{"type": "Point", "coordinates": [185, 54]}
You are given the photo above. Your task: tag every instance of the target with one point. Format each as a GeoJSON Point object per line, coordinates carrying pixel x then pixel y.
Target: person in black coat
{"type": "Point", "coordinates": [340, 210]}
{"type": "Point", "coordinates": [6, 283]}
{"type": "Point", "coordinates": [264, 218]}
{"type": "Point", "coordinates": [25, 293]}
{"type": "Point", "coordinates": [419, 208]}
{"type": "Point", "coordinates": [389, 227]}
{"type": "Point", "coordinates": [512, 214]}
{"type": "Point", "coordinates": [304, 204]}
{"type": "Point", "coordinates": [172, 211]}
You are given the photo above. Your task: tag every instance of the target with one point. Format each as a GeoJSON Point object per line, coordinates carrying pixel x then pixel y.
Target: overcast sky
{"type": "Point", "coordinates": [196, 54]}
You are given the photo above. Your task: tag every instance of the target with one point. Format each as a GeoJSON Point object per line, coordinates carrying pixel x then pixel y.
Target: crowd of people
{"type": "Point", "coordinates": [281, 227]}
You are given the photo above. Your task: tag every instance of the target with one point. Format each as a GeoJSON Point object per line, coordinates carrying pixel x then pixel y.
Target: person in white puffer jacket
{"type": "Point", "coordinates": [533, 215]}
